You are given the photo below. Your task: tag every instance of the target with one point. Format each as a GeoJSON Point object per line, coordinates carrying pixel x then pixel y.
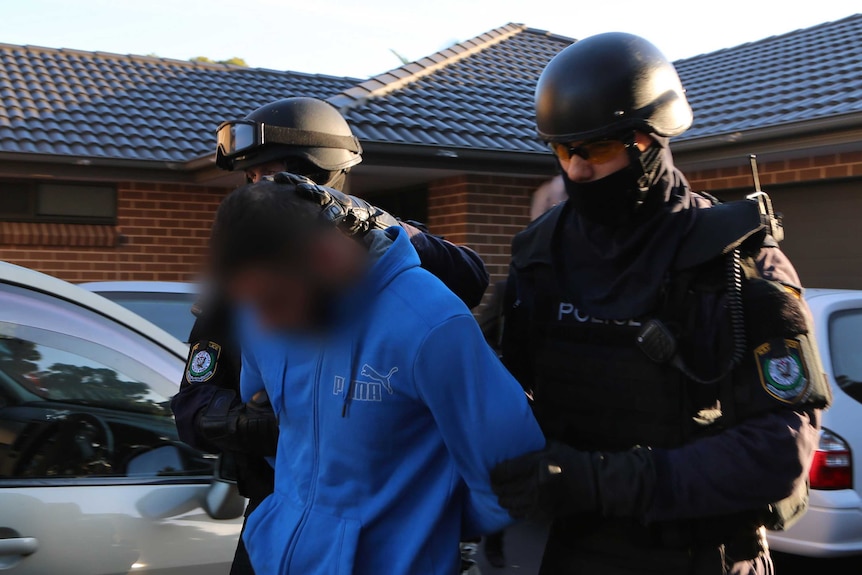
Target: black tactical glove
{"type": "Point", "coordinates": [231, 425]}
{"type": "Point", "coordinates": [352, 214]}
{"type": "Point", "coordinates": [561, 480]}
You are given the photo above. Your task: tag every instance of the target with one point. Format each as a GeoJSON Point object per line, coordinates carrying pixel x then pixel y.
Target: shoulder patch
{"type": "Point", "coordinates": [782, 369]}
{"type": "Point", "coordinates": [203, 362]}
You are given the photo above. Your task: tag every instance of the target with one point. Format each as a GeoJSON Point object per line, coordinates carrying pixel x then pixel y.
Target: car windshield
{"type": "Point", "coordinates": [845, 341]}
{"type": "Point", "coordinates": [170, 311]}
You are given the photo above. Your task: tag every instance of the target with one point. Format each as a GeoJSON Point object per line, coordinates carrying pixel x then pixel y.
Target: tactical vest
{"type": "Point", "coordinates": [594, 388]}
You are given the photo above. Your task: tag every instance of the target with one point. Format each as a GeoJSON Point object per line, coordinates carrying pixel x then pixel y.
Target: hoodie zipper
{"type": "Point", "coordinates": [315, 461]}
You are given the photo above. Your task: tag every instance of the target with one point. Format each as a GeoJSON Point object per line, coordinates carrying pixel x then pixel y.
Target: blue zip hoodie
{"type": "Point", "coordinates": [388, 431]}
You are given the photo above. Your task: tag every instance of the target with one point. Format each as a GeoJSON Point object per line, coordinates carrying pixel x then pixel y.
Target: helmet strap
{"type": "Point", "coordinates": [336, 179]}
{"type": "Point", "coordinates": [645, 165]}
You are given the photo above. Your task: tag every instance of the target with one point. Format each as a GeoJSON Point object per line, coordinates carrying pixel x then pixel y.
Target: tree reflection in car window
{"type": "Point", "coordinates": [62, 376]}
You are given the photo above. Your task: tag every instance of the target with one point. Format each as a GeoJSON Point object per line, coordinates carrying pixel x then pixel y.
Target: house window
{"type": "Point", "coordinates": [58, 203]}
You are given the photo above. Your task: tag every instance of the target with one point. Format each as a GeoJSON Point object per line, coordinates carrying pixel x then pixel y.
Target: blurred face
{"type": "Point", "coordinates": [297, 296]}
{"type": "Point", "coordinates": [280, 299]}
{"type": "Point", "coordinates": [589, 161]}
{"type": "Point", "coordinates": [255, 174]}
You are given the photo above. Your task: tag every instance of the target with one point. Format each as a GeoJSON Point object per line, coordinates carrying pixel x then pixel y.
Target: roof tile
{"type": "Point", "coordinates": [477, 94]}
{"type": "Point", "coordinates": [803, 75]}
{"type": "Point", "coordinates": [131, 107]}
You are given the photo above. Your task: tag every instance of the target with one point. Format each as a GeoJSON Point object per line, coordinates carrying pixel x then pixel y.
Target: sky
{"type": "Point", "coordinates": [356, 38]}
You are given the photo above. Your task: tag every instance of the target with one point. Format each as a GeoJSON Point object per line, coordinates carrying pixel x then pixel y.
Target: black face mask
{"type": "Point", "coordinates": [618, 199]}
{"type": "Point", "coordinates": [612, 201]}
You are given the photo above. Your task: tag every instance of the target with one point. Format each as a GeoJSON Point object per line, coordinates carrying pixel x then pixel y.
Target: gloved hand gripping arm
{"type": "Point", "coordinates": [232, 425]}
{"type": "Point", "coordinates": [561, 480]}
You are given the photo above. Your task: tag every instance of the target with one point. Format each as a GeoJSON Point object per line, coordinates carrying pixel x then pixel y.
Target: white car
{"type": "Point", "coordinates": [93, 479]}
{"type": "Point", "coordinates": [832, 527]}
{"type": "Point", "coordinates": [166, 304]}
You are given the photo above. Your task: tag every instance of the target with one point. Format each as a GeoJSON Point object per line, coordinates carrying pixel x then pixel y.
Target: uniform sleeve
{"type": "Point", "coordinates": [515, 347]}
{"type": "Point", "coordinates": [480, 410]}
{"type": "Point", "coordinates": [766, 457]}
{"type": "Point", "coordinates": [491, 317]}
{"type": "Point", "coordinates": [773, 265]}
{"type": "Point", "coordinates": [749, 466]}
{"type": "Point", "coordinates": [186, 405]}
{"type": "Point", "coordinates": [194, 396]}
{"type": "Point", "coordinates": [459, 267]}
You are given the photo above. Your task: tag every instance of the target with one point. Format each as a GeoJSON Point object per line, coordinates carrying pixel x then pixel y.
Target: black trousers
{"type": "Point", "coordinates": [701, 563]}
{"type": "Point", "coordinates": [569, 552]}
{"type": "Point", "coordinates": [241, 563]}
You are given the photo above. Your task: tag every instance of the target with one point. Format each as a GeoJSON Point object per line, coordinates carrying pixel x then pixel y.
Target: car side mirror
{"type": "Point", "coordinates": [222, 500]}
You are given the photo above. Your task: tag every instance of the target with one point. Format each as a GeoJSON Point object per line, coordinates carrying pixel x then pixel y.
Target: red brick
{"type": "Point", "coordinates": [767, 178]}
{"type": "Point", "coordinates": [740, 182]}
{"type": "Point", "coordinates": [717, 184]}
{"type": "Point", "coordinates": [810, 174]}
{"type": "Point", "coordinates": [850, 157]}
{"type": "Point", "coordinates": [827, 160]}
{"type": "Point", "coordinates": [836, 171]}
{"type": "Point", "coordinates": [785, 177]}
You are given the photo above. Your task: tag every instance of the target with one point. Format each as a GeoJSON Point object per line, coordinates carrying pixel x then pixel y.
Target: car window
{"type": "Point", "coordinates": [170, 311]}
{"type": "Point", "coordinates": [72, 408]}
{"type": "Point", "coordinates": [845, 343]}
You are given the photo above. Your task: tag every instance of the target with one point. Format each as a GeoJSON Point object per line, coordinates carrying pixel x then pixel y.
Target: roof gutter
{"type": "Point", "coordinates": [455, 158]}
{"type": "Point", "coordinates": [825, 135]}
{"type": "Point", "coordinates": [56, 167]}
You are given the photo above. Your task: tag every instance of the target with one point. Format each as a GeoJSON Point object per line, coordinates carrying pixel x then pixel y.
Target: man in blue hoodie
{"type": "Point", "coordinates": [392, 409]}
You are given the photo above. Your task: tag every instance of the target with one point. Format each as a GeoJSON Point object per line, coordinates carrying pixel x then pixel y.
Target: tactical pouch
{"type": "Point", "coordinates": [785, 513]}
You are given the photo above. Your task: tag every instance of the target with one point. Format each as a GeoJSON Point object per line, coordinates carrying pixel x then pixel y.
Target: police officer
{"type": "Point", "coordinates": [309, 137]}
{"type": "Point", "coordinates": [663, 339]}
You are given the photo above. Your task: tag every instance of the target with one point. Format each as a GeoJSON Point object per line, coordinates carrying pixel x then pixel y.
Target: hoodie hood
{"type": "Point", "coordinates": [391, 254]}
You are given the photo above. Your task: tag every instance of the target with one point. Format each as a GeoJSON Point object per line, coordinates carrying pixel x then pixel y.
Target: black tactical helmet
{"type": "Point", "coordinates": [305, 128]}
{"type": "Point", "coordinates": [609, 84]}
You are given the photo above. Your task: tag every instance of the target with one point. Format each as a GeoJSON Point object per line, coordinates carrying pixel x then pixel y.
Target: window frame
{"type": "Point", "coordinates": [41, 312]}
{"type": "Point", "coordinates": [33, 215]}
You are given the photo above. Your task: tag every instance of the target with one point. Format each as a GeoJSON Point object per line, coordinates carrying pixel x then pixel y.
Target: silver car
{"type": "Point", "coordinates": [832, 527]}
{"type": "Point", "coordinates": [93, 479]}
{"type": "Point", "coordinates": [166, 304]}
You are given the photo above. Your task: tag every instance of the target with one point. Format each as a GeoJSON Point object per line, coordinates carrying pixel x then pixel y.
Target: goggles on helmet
{"type": "Point", "coordinates": [241, 137]}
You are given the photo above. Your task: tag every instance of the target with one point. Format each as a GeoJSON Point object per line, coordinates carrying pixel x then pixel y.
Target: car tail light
{"type": "Point", "coordinates": [833, 465]}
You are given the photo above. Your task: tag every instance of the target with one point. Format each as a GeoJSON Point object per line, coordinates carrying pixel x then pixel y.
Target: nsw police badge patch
{"type": "Point", "coordinates": [782, 370]}
{"type": "Point", "coordinates": [203, 362]}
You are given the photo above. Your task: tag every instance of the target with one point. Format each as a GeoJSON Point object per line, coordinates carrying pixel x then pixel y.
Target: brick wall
{"type": "Point", "coordinates": [820, 200]}
{"type": "Point", "coordinates": [830, 166]}
{"type": "Point", "coordinates": [164, 232]}
{"type": "Point", "coordinates": [482, 212]}
{"type": "Point", "coordinates": [165, 228]}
